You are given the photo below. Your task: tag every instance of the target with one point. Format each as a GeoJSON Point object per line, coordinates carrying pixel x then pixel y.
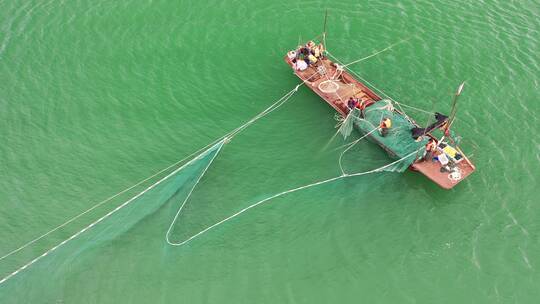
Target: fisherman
{"type": "Point", "coordinates": [318, 51]}
{"type": "Point", "coordinates": [304, 51]}
{"type": "Point", "coordinates": [352, 103]}
{"type": "Point", "coordinates": [310, 46]}
{"type": "Point", "coordinates": [384, 126]}
{"type": "Point", "coordinates": [361, 106]}
{"type": "Point", "coordinates": [444, 127]}
{"type": "Point", "coordinates": [300, 52]}
{"type": "Point", "coordinates": [299, 64]}
{"type": "Point", "coordinates": [431, 147]}
{"type": "Point", "coordinates": [312, 59]}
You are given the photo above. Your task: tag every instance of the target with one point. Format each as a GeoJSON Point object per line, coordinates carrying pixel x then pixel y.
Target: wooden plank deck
{"type": "Point", "coordinates": [432, 169]}
{"type": "Point", "coordinates": [348, 86]}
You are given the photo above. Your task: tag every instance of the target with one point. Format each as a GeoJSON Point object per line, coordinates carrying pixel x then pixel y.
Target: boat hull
{"type": "Point", "coordinates": [351, 87]}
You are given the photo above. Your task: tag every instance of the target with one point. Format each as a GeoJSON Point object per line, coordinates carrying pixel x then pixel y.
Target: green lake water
{"type": "Point", "coordinates": [98, 95]}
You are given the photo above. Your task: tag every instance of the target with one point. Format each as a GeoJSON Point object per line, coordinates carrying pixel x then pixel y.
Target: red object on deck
{"type": "Point", "coordinates": [346, 86]}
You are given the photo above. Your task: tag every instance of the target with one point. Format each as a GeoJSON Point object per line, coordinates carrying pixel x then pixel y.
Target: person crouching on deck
{"type": "Point", "coordinates": [361, 106]}
{"type": "Point", "coordinates": [299, 64]}
{"type": "Point", "coordinates": [312, 59]}
{"type": "Point", "coordinates": [431, 147]}
{"type": "Point", "coordinates": [313, 52]}
{"type": "Point", "coordinates": [352, 103]}
{"type": "Point", "coordinates": [303, 53]}
{"type": "Point", "coordinates": [319, 51]}
{"type": "Point", "coordinates": [385, 125]}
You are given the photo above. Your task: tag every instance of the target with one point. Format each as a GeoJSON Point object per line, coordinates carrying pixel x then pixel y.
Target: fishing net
{"type": "Point", "coordinates": [454, 138]}
{"type": "Point", "coordinates": [72, 261]}
{"type": "Point", "coordinates": [398, 142]}
{"type": "Point", "coordinates": [347, 125]}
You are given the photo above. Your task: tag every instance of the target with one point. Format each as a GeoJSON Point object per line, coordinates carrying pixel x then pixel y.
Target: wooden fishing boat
{"type": "Point", "coordinates": [336, 85]}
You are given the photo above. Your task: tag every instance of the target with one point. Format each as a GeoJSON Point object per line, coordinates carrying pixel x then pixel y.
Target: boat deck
{"type": "Point", "coordinates": [432, 169]}
{"type": "Point", "coordinates": [348, 86]}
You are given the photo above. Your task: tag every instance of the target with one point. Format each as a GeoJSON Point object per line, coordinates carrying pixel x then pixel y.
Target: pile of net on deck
{"type": "Point", "coordinates": [398, 142]}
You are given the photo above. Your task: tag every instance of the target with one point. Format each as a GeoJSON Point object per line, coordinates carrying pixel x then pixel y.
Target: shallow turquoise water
{"type": "Point", "coordinates": [96, 96]}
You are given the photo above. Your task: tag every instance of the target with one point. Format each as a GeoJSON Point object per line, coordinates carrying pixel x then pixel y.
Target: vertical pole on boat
{"type": "Point", "coordinates": [452, 115]}
{"type": "Point", "coordinates": [324, 29]}
{"type": "Point", "coordinates": [427, 125]}
{"type": "Point", "coordinates": [454, 108]}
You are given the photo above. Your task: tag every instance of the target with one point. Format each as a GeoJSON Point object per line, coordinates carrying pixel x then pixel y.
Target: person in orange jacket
{"type": "Point", "coordinates": [385, 125]}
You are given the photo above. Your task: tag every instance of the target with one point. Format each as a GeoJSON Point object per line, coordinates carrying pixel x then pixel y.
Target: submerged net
{"type": "Point", "coordinates": [65, 261]}
{"type": "Point", "coordinates": [347, 125]}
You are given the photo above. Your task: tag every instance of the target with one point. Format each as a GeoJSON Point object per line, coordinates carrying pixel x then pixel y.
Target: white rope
{"type": "Point", "coordinates": [417, 109]}
{"type": "Point", "coordinates": [352, 145]}
{"type": "Point", "coordinates": [345, 145]}
{"type": "Point", "coordinates": [336, 75]}
{"type": "Point", "coordinates": [356, 74]}
{"type": "Point", "coordinates": [267, 111]}
{"type": "Point", "coordinates": [340, 126]}
{"type": "Point", "coordinates": [400, 104]}
{"type": "Point", "coordinates": [369, 83]}
{"type": "Point", "coordinates": [207, 229]}
{"type": "Point", "coordinates": [187, 197]}
{"type": "Point", "coordinates": [376, 53]}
